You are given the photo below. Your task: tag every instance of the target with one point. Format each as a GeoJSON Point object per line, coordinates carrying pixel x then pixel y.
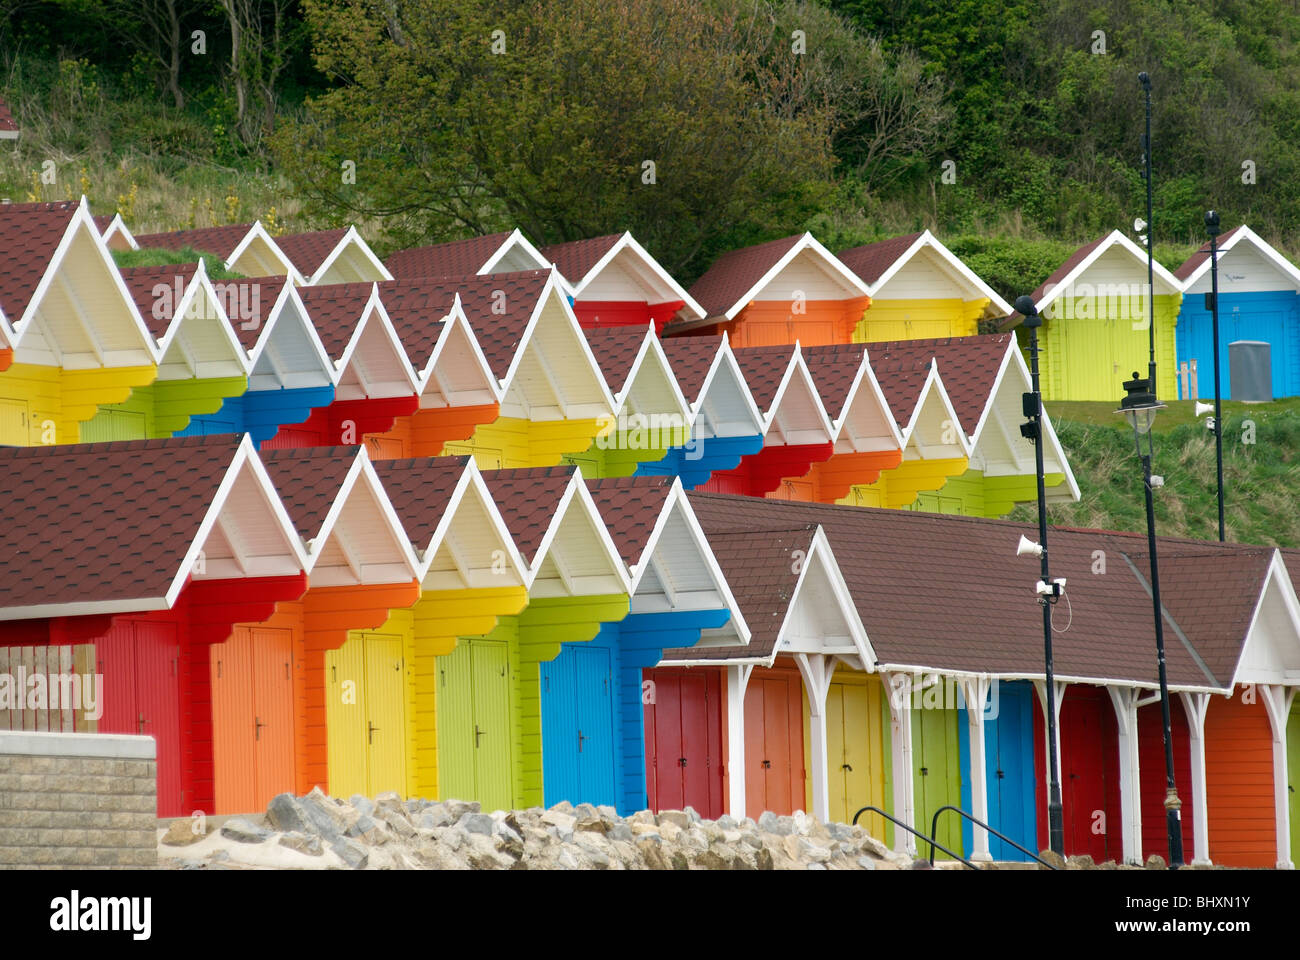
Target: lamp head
{"type": "Point", "coordinates": [1145, 79]}
{"type": "Point", "coordinates": [1139, 405]}
{"type": "Point", "coordinates": [1212, 223]}
{"type": "Point", "coordinates": [1026, 308]}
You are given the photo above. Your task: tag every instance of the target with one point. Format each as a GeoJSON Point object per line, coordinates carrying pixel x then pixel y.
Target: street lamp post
{"type": "Point", "coordinates": [1145, 81]}
{"type": "Point", "coordinates": [1032, 406]}
{"type": "Point", "coordinates": [1212, 228]}
{"type": "Point", "coordinates": [1139, 406]}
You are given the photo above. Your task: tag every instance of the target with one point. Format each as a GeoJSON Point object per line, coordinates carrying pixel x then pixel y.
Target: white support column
{"type": "Point", "coordinates": [737, 681]}
{"type": "Point", "coordinates": [816, 669]}
{"type": "Point", "coordinates": [1194, 706]}
{"type": "Point", "coordinates": [976, 690]}
{"type": "Point", "coordinates": [898, 688]}
{"type": "Point", "coordinates": [1125, 702]}
{"type": "Point", "coordinates": [1277, 701]}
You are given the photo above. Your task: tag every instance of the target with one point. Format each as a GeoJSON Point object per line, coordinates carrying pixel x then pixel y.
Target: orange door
{"type": "Point", "coordinates": [252, 718]}
{"type": "Point", "coordinates": [1239, 781]}
{"type": "Point", "coordinates": [774, 771]}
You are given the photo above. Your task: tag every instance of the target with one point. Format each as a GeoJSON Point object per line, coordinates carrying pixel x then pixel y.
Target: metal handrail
{"type": "Point", "coordinates": [930, 840]}
{"type": "Point", "coordinates": [934, 829]}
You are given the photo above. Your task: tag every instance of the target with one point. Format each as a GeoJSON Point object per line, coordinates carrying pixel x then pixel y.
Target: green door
{"type": "Point", "coordinates": [937, 780]}
{"type": "Point", "coordinates": [474, 754]}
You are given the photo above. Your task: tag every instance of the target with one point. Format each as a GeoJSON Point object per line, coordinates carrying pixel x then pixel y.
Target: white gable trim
{"type": "Point", "coordinates": [351, 238]}
{"type": "Point", "coordinates": [1114, 238]}
{"type": "Point", "coordinates": [456, 320]}
{"type": "Point", "coordinates": [628, 242]}
{"type": "Point", "coordinates": [374, 311]}
{"type": "Point", "coordinates": [471, 479]}
{"type": "Point", "coordinates": [1276, 578]}
{"type": "Point", "coordinates": [517, 239]}
{"type": "Point", "coordinates": [1244, 233]}
{"type": "Point", "coordinates": [866, 375]}
{"type": "Point", "coordinates": [726, 357]}
{"type": "Point", "coordinates": [797, 367]}
{"type": "Point", "coordinates": [201, 284]}
{"type": "Point", "coordinates": [927, 239]}
{"type": "Point", "coordinates": [577, 497]}
{"type": "Point", "coordinates": [809, 243]}
{"type": "Point", "coordinates": [255, 232]}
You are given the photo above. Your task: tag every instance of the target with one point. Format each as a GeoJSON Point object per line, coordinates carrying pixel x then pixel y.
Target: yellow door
{"type": "Point", "coordinates": [14, 429]}
{"type": "Point", "coordinates": [855, 752]}
{"type": "Point", "coordinates": [385, 714]}
{"type": "Point", "coordinates": [345, 717]}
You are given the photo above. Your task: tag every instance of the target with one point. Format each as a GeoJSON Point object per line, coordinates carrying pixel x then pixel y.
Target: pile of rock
{"type": "Point", "coordinates": [321, 832]}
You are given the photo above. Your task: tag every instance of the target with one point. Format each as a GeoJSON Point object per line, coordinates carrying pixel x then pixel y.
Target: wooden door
{"type": "Point", "coordinates": [1084, 741]}
{"type": "Point", "coordinates": [593, 682]}
{"type": "Point", "coordinates": [1239, 781]}
{"type": "Point", "coordinates": [345, 718]}
{"type": "Point", "coordinates": [1293, 778]}
{"type": "Point", "coordinates": [385, 744]}
{"type": "Point", "coordinates": [273, 727]}
{"type": "Point", "coordinates": [234, 765]}
{"type": "Point", "coordinates": [491, 740]}
{"type": "Point", "coordinates": [683, 731]}
{"type": "Point", "coordinates": [14, 428]}
{"type": "Point", "coordinates": [110, 424]}
{"type": "Point", "coordinates": [157, 660]}
{"type": "Point", "coordinates": [936, 775]}
{"type": "Point", "coordinates": [855, 752]}
{"type": "Point", "coordinates": [774, 774]}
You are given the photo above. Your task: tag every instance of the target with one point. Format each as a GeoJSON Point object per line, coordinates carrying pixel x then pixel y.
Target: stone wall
{"type": "Point", "coordinates": [77, 800]}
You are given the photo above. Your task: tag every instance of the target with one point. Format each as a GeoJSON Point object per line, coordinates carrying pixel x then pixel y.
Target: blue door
{"type": "Point", "coordinates": [578, 760]}
{"type": "Point", "coordinates": [1267, 316]}
{"type": "Point", "coordinates": [1009, 770]}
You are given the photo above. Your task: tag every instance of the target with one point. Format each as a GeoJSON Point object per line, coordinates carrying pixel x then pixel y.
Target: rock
{"type": "Point", "coordinates": [690, 812]}
{"type": "Point", "coordinates": [727, 822]}
{"type": "Point", "coordinates": [1053, 858]}
{"type": "Point", "coordinates": [398, 824]}
{"type": "Point", "coordinates": [920, 863]}
{"type": "Point", "coordinates": [712, 860]}
{"type": "Point", "coordinates": [644, 829]}
{"type": "Point", "coordinates": [181, 833]}
{"type": "Point", "coordinates": [763, 859]}
{"type": "Point", "coordinates": [694, 837]}
{"type": "Point", "coordinates": [433, 816]}
{"type": "Point", "coordinates": [475, 822]}
{"type": "Point", "coordinates": [458, 808]}
{"type": "Point", "coordinates": [326, 814]}
{"type": "Point", "coordinates": [351, 853]}
{"type": "Point", "coordinates": [1156, 862]}
{"type": "Point", "coordinates": [1080, 862]}
{"type": "Point", "coordinates": [453, 838]}
{"type": "Point", "coordinates": [732, 836]}
{"type": "Point", "coordinates": [366, 829]}
{"type": "Point", "coordinates": [220, 855]}
{"type": "Point", "coordinates": [866, 863]}
{"type": "Point", "coordinates": [606, 812]}
{"type": "Point", "coordinates": [362, 805]}
{"type": "Point", "coordinates": [651, 850]}
{"type": "Point", "coordinates": [287, 815]}
{"type": "Point", "coordinates": [559, 819]}
{"type": "Point", "coordinates": [414, 807]}
{"type": "Point", "coordinates": [565, 859]}
{"type": "Point", "coordinates": [309, 845]}
{"type": "Point", "coordinates": [816, 866]}
{"type": "Point", "coordinates": [505, 831]}
{"type": "Point", "coordinates": [669, 830]}
{"type": "Point", "coordinates": [644, 817]}
{"type": "Point", "coordinates": [585, 811]}
{"type": "Point", "coordinates": [678, 818]}
{"type": "Point", "coordinates": [769, 822]}
{"type": "Point", "coordinates": [800, 823]}
{"type": "Point", "coordinates": [679, 861]}
{"type": "Point", "coordinates": [243, 831]}
{"type": "Point", "coordinates": [752, 839]}
{"type": "Point", "coordinates": [619, 831]}
{"type": "Point", "coordinates": [591, 825]}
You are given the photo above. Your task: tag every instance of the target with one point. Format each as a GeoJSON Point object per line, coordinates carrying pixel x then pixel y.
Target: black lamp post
{"type": "Point", "coordinates": [1032, 405]}
{"type": "Point", "coordinates": [1139, 406]}
{"type": "Point", "coordinates": [1145, 80]}
{"type": "Point", "coordinates": [1212, 228]}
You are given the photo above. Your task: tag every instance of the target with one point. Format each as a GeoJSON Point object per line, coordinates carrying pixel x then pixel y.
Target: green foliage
{"type": "Point", "coordinates": [154, 257]}
{"type": "Point", "coordinates": [1261, 479]}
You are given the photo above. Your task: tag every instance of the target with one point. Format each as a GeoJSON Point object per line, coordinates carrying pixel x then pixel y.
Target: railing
{"type": "Point", "coordinates": [934, 829]}
{"type": "Point", "coordinates": [930, 840]}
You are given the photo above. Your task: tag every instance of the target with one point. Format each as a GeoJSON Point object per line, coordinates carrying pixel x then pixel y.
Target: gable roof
{"type": "Point", "coordinates": [970, 368]}
{"type": "Point", "coordinates": [31, 233]}
{"type": "Point", "coordinates": [460, 258]}
{"type": "Point", "coordinates": [528, 499]}
{"type": "Point", "coordinates": [877, 263]}
{"type": "Point", "coordinates": [576, 258]}
{"type": "Point", "coordinates": [630, 507]}
{"type": "Point", "coordinates": [988, 622]}
{"type": "Point", "coordinates": [581, 262]}
{"type": "Point", "coordinates": [616, 350]}
{"type": "Point", "coordinates": [1198, 264]}
{"type": "Point", "coordinates": [141, 281]}
{"type": "Point", "coordinates": [309, 480]}
{"type": "Point", "coordinates": [109, 527]}
{"type": "Point", "coordinates": [307, 251]}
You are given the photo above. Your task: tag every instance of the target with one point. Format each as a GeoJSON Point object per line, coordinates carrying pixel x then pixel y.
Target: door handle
{"type": "Point", "coordinates": [477, 734]}
{"type": "Point", "coordinates": [140, 723]}
{"type": "Point", "coordinates": [767, 764]}
{"type": "Point", "coordinates": [925, 771]}
{"type": "Point", "coordinates": [681, 762]}
{"type": "Point", "coordinates": [580, 739]}
{"type": "Point", "coordinates": [370, 731]}
{"type": "Point", "coordinates": [847, 766]}
{"type": "Point", "coordinates": [257, 728]}
{"type": "Point", "coordinates": [1001, 775]}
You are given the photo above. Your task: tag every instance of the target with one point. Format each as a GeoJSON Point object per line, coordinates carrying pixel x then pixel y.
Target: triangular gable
{"type": "Point", "coordinates": [369, 359]}
{"type": "Point", "coordinates": [862, 422]}
{"type": "Point", "coordinates": [1270, 652]}
{"type": "Point", "coordinates": [905, 278]}
{"type": "Point", "coordinates": [199, 341]}
{"type": "Point", "coordinates": [457, 373]}
{"type": "Point", "coordinates": [1115, 259]}
{"type": "Point", "coordinates": [627, 272]}
{"type": "Point", "coordinates": [517, 253]}
{"type": "Point", "coordinates": [997, 446]}
{"type": "Point", "coordinates": [117, 236]}
{"type": "Point", "coordinates": [361, 539]}
{"type": "Point", "coordinates": [676, 570]}
{"type": "Point", "coordinates": [258, 255]}
{"type": "Point", "coordinates": [723, 406]}
{"type": "Point", "coordinates": [351, 260]}
{"type": "Point", "coordinates": [286, 351]}
{"type": "Point", "coordinates": [796, 415]}
{"type": "Point", "coordinates": [472, 547]}
{"type": "Point", "coordinates": [934, 431]}
{"type": "Point", "coordinates": [577, 556]}
{"type": "Point", "coordinates": [650, 386]}
{"type": "Point", "coordinates": [81, 316]}
{"type": "Point", "coordinates": [1247, 263]}
{"type": "Point", "coordinates": [822, 618]}
{"type": "Point", "coordinates": [807, 267]}
{"type": "Point", "coordinates": [553, 374]}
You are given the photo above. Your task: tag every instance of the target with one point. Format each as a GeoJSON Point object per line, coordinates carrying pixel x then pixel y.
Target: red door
{"type": "Point", "coordinates": [1089, 774]}
{"type": "Point", "coordinates": [140, 662]}
{"type": "Point", "coordinates": [774, 773]}
{"type": "Point", "coordinates": [683, 731]}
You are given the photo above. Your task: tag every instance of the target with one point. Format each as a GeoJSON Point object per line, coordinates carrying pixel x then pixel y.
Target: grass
{"type": "Point", "coordinates": [1261, 475]}
{"type": "Point", "coordinates": [161, 258]}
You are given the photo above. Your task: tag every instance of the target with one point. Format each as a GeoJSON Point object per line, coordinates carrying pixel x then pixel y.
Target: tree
{"type": "Point", "coordinates": [694, 123]}
{"type": "Point", "coordinates": [259, 45]}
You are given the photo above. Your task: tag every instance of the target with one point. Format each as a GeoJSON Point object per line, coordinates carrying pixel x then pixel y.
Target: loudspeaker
{"type": "Point", "coordinates": [1027, 546]}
